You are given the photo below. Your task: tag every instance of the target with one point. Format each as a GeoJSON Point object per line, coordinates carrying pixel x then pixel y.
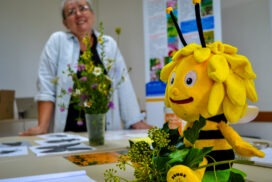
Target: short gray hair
{"type": "Point", "coordinates": [89, 3]}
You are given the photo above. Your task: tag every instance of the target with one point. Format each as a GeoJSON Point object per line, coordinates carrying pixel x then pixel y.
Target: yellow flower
{"type": "Point", "coordinates": [100, 40]}
{"type": "Point", "coordinates": [85, 40]}
{"type": "Point", "coordinates": [86, 55]}
{"type": "Point", "coordinates": [89, 67]}
{"type": "Point", "coordinates": [118, 30]}
{"type": "Point", "coordinates": [102, 87]}
{"type": "Point", "coordinates": [144, 139]}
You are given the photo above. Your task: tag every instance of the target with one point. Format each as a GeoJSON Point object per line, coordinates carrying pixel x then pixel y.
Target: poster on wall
{"type": "Point", "coordinates": [156, 37]}
{"type": "Point", "coordinates": [188, 25]}
{"type": "Point", "coordinates": [162, 41]}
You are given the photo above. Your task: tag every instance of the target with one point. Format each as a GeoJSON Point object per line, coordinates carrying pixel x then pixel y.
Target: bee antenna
{"type": "Point", "coordinates": [198, 22]}
{"type": "Point", "coordinates": [170, 11]}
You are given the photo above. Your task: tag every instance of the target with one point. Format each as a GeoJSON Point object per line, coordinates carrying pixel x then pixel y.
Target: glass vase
{"type": "Point", "coordinates": [96, 128]}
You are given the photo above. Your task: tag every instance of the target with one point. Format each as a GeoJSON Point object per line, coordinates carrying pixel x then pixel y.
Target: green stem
{"type": "Point", "coordinates": [121, 178]}
{"type": "Point", "coordinates": [226, 162]}
{"type": "Point", "coordinates": [152, 161]}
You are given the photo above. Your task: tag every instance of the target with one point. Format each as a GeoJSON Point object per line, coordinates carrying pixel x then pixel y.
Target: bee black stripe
{"type": "Point", "coordinates": [220, 155]}
{"type": "Point", "coordinates": [210, 134]}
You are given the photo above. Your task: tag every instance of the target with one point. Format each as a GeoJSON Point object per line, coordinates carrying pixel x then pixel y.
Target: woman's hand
{"type": "Point", "coordinates": [37, 130]}
{"type": "Point", "coordinates": [141, 125]}
{"type": "Point", "coordinates": [45, 110]}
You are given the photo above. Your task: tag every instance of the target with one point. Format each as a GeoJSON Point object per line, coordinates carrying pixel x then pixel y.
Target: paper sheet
{"type": "Point", "coordinates": [44, 150]}
{"type": "Point", "coordinates": [59, 138]}
{"type": "Point", "coordinates": [13, 151]}
{"type": "Point", "coordinates": [96, 158]}
{"type": "Point", "coordinates": [13, 148]}
{"type": "Point", "coordinates": [266, 161]}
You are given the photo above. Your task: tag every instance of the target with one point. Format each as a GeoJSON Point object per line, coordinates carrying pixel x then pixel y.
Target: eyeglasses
{"type": "Point", "coordinates": [80, 8]}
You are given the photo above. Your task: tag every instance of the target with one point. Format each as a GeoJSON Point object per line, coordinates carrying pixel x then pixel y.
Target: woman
{"type": "Point", "coordinates": [64, 48]}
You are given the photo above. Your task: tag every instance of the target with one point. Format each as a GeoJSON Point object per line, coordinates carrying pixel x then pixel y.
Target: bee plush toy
{"type": "Point", "coordinates": [212, 81]}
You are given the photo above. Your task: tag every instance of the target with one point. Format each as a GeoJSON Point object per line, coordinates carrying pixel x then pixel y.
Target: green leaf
{"type": "Point", "coordinates": [196, 156]}
{"type": "Point", "coordinates": [174, 136]}
{"type": "Point", "coordinates": [160, 169]}
{"type": "Point", "coordinates": [239, 172]}
{"type": "Point", "coordinates": [193, 157]}
{"type": "Point", "coordinates": [191, 134]}
{"type": "Point", "coordinates": [130, 143]}
{"type": "Point", "coordinates": [178, 156]}
{"type": "Point", "coordinates": [228, 175]}
{"type": "Point", "coordinates": [159, 163]}
{"type": "Point", "coordinates": [217, 176]}
{"type": "Point", "coordinates": [206, 150]}
{"type": "Point", "coordinates": [235, 177]}
{"type": "Point", "coordinates": [180, 145]}
{"type": "Point", "coordinates": [165, 127]}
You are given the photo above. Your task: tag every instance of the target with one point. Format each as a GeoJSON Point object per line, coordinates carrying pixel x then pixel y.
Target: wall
{"type": "Point", "coordinates": [128, 15]}
{"type": "Point", "coordinates": [247, 25]}
{"type": "Point", "coordinates": [25, 26]}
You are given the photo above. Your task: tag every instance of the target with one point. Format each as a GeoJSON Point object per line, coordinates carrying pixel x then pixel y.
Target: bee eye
{"type": "Point", "coordinates": [190, 78]}
{"type": "Point", "coordinates": [172, 79]}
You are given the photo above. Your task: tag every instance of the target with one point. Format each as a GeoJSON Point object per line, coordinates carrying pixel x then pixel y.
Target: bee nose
{"type": "Point", "coordinates": [175, 91]}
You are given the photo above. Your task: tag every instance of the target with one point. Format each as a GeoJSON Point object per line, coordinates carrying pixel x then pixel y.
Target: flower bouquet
{"type": "Point", "coordinates": [160, 156]}
{"type": "Point", "coordinates": [92, 90]}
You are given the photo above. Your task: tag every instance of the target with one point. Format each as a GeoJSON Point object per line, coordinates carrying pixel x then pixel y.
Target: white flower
{"type": "Point", "coordinates": [87, 104]}
{"type": "Point", "coordinates": [97, 71]}
{"type": "Point", "coordinates": [77, 92]}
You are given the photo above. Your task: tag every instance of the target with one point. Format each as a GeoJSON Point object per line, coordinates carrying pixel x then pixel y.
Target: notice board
{"type": "Point", "coordinates": [161, 41]}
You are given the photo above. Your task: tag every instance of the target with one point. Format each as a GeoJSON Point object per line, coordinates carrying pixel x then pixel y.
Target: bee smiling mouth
{"type": "Point", "coordinates": [185, 101]}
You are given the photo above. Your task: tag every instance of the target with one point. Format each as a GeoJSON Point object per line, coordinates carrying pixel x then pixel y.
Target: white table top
{"type": "Point", "coordinates": [115, 140]}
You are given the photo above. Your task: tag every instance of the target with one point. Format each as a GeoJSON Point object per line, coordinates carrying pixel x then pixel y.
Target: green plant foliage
{"type": "Point", "coordinates": [191, 134]}
{"type": "Point", "coordinates": [151, 162]}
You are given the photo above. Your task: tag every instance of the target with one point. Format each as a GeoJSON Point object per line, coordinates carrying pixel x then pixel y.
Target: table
{"type": "Point", "coordinates": [33, 165]}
